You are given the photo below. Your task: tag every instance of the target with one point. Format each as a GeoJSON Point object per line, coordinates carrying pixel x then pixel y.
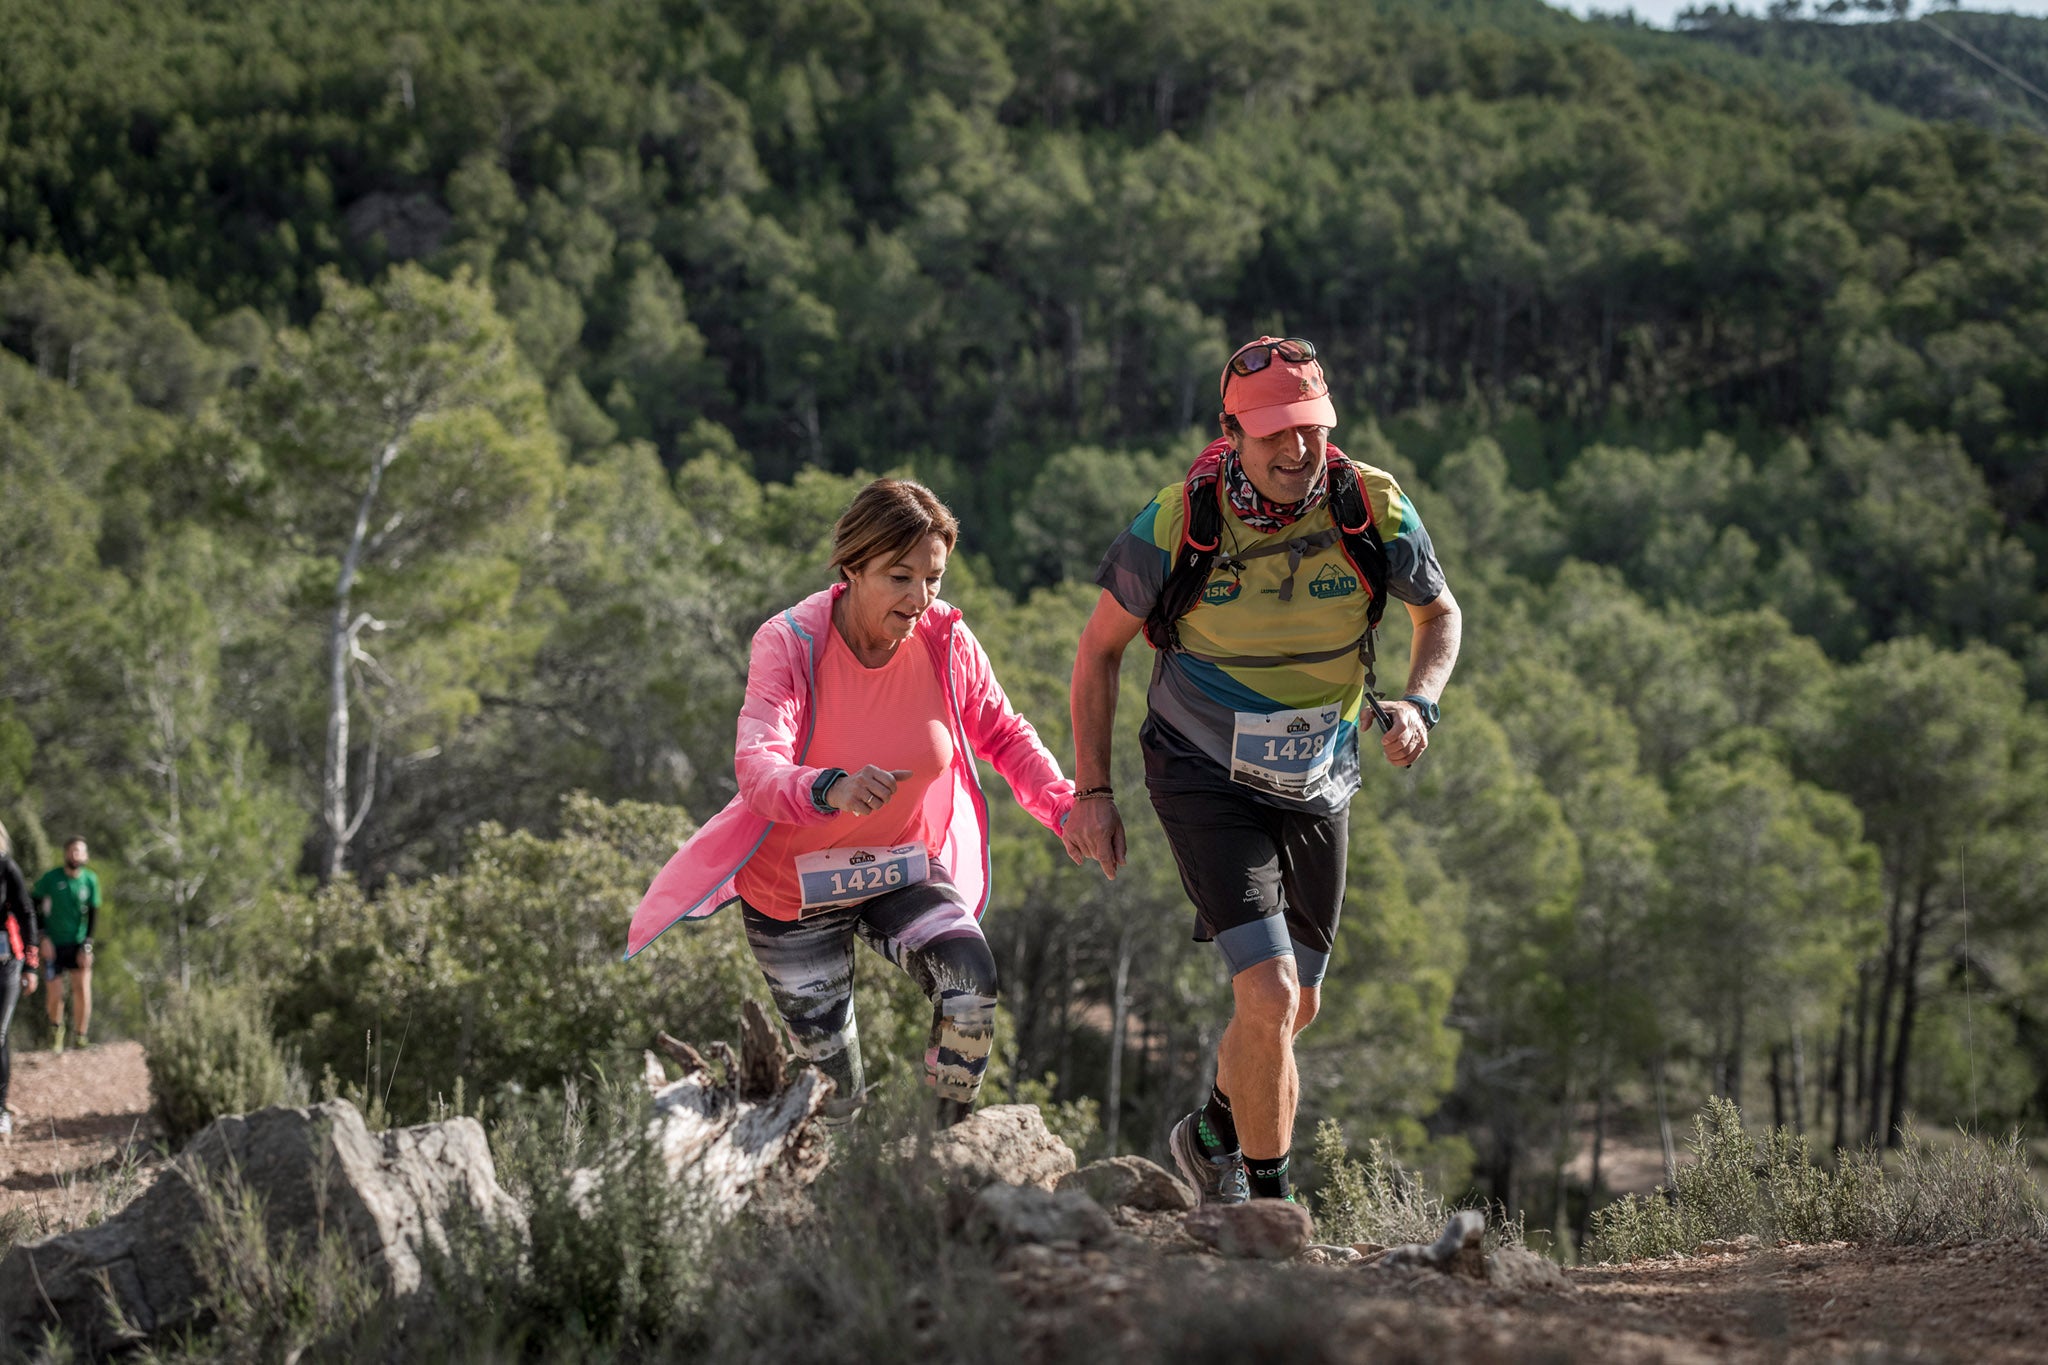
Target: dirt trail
{"type": "Point", "coordinates": [82, 1143]}
{"type": "Point", "coordinates": [1987, 1303]}
{"type": "Point", "coordinates": [82, 1133]}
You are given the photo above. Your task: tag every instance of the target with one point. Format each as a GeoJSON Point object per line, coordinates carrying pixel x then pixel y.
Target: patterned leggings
{"type": "Point", "coordinates": [924, 929]}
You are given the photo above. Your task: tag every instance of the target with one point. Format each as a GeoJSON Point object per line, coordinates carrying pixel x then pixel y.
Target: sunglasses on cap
{"type": "Point", "coordinates": [1260, 354]}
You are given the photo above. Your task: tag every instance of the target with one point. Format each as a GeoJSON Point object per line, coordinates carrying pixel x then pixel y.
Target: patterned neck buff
{"type": "Point", "coordinates": [1257, 511]}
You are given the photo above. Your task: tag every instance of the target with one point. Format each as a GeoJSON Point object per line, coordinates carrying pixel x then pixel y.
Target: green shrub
{"type": "Point", "coordinates": [860, 1268]}
{"type": "Point", "coordinates": [266, 1301]}
{"type": "Point", "coordinates": [1966, 1190]}
{"type": "Point", "coordinates": [619, 1268]}
{"type": "Point", "coordinates": [211, 1053]}
{"type": "Point", "coordinates": [857, 1267]}
{"type": "Point", "coordinates": [1379, 1200]}
{"type": "Point", "coordinates": [506, 973]}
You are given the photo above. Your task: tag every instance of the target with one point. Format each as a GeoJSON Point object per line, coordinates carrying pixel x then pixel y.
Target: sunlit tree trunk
{"type": "Point", "coordinates": [343, 630]}
{"type": "Point", "coordinates": [1119, 1011]}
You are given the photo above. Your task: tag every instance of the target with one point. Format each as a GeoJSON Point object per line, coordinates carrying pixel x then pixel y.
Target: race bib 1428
{"type": "Point", "coordinates": [1288, 753]}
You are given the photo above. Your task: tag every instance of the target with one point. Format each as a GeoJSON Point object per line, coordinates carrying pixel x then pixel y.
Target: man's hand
{"type": "Point", "coordinates": [1095, 830]}
{"type": "Point", "coordinates": [1406, 737]}
{"type": "Point", "coordinates": [864, 792]}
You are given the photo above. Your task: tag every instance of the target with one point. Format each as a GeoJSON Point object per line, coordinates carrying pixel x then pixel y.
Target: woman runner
{"type": "Point", "coordinates": [20, 971]}
{"type": "Point", "coordinates": [859, 815]}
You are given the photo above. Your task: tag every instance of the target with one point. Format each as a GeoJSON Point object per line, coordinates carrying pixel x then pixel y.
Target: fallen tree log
{"type": "Point", "coordinates": [734, 1134]}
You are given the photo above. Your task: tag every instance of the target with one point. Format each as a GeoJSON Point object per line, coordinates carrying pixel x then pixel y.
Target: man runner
{"type": "Point", "coordinates": [70, 896]}
{"type": "Point", "coordinates": [1250, 737]}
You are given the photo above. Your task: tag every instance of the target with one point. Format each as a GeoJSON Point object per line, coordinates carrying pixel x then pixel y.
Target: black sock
{"type": "Point", "coordinates": [1268, 1176]}
{"type": "Point", "coordinates": [1216, 1130]}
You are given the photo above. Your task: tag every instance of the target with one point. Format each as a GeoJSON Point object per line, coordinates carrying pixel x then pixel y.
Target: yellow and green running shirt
{"type": "Point", "coordinates": [1243, 643]}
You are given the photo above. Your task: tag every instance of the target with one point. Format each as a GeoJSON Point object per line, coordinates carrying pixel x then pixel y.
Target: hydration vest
{"type": "Point", "coordinates": [1202, 514]}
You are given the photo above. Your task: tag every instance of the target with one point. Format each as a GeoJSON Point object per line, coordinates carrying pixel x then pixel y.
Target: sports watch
{"type": "Point", "coordinates": [1428, 709]}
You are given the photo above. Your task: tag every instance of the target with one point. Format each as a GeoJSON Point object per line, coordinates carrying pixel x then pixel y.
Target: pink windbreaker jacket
{"type": "Point", "coordinates": [775, 785]}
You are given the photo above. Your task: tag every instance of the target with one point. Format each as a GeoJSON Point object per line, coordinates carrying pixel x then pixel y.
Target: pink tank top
{"type": "Point", "coordinates": [893, 717]}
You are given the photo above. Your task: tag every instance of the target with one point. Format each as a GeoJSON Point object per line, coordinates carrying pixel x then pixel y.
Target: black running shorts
{"type": "Point", "coordinates": [1267, 882]}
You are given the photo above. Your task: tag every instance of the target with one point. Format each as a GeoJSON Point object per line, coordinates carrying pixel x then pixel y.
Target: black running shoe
{"type": "Point", "coordinates": [1217, 1179]}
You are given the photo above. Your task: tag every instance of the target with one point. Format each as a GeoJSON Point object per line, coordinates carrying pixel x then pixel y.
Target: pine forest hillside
{"type": "Point", "coordinates": [1724, 396]}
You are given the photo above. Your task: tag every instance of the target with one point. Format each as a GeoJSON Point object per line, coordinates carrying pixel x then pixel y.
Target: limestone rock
{"type": "Point", "coordinates": [315, 1172]}
{"type": "Point", "coordinates": [1005, 1144]}
{"type": "Point", "coordinates": [1456, 1252]}
{"type": "Point", "coordinates": [1328, 1253]}
{"type": "Point", "coordinates": [1005, 1216]}
{"type": "Point", "coordinates": [1517, 1269]}
{"type": "Point", "coordinates": [1132, 1182]}
{"type": "Point", "coordinates": [1264, 1229]}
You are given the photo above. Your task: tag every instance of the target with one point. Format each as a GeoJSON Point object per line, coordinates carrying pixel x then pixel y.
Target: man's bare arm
{"type": "Point", "coordinates": [1439, 630]}
{"type": "Point", "coordinates": [1095, 829]}
{"type": "Point", "coordinates": [1439, 627]}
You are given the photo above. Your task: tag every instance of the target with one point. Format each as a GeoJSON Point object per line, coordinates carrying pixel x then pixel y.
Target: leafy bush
{"type": "Point", "coordinates": [211, 1053]}
{"type": "Point", "coordinates": [506, 974]}
{"type": "Point", "coordinates": [1380, 1200]}
{"type": "Point", "coordinates": [1966, 1190]}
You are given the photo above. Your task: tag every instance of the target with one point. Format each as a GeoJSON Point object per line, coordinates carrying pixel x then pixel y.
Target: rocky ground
{"type": "Point", "coordinates": [81, 1146]}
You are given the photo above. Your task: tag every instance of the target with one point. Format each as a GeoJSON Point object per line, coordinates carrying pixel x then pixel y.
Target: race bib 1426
{"type": "Point", "coordinates": [841, 876]}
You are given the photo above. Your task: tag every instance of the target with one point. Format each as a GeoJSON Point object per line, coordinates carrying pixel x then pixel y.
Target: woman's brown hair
{"type": "Point", "coordinates": [887, 518]}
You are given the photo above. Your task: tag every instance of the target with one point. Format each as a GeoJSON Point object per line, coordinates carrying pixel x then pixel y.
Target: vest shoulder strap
{"type": "Point", "coordinates": [1202, 534]}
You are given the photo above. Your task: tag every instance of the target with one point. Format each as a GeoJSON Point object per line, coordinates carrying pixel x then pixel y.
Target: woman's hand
{"type": "Point", "coordinates": [864, 792]}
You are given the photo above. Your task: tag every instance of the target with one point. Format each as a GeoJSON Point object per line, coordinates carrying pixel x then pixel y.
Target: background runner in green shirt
{"type": "Point", "coordinates": [71, 901]}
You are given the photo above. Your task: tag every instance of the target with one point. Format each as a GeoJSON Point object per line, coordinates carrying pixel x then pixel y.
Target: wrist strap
{"type": "Point", "coordinates": [822, 784]}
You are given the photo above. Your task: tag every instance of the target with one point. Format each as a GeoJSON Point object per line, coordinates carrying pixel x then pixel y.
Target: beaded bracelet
{"type": "Point", "coordinates": [1096, 794]}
